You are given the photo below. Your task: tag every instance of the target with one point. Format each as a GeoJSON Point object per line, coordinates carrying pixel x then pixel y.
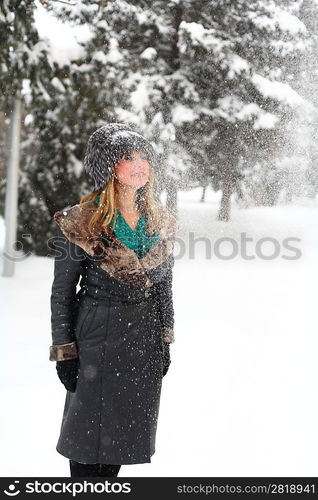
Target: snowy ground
{"type": "Point", "coordinates": [240, 398]}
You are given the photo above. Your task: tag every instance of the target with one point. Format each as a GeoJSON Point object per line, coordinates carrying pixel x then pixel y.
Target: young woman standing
{"type": "Point", "coordinates": [111, 339]}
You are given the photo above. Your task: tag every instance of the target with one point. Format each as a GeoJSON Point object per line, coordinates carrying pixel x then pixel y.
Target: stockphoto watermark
{"type": "Point", "coordinates": [244, 247]}
{"type": "Point", "coordinates": [226, 248]}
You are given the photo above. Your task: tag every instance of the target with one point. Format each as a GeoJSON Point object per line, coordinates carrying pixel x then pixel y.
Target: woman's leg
{"type": "Point", "coordinates": [109, 470]}
{"type": "Point", "coordinates": [83, 470]}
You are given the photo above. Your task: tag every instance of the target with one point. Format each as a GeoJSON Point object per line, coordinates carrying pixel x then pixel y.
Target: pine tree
{"type": "Point", "coordinates": [234, 55]}
{"type": "Point", "coordinates": [24, 69]}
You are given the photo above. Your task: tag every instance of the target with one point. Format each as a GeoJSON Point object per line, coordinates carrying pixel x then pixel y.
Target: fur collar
{"type": "Point", "coordinates": [111, 254]}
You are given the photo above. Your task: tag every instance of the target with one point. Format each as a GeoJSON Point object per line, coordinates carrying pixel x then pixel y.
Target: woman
{"type": "Point", "coordinates": [111, 339]}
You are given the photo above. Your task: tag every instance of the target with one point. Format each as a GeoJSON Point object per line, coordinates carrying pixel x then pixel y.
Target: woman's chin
{"type": "Point", "coordinates": [136, 183]}
{"type": "Point", "coordinates": [141, 183]}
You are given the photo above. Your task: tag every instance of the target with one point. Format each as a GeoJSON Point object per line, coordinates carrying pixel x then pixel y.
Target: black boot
{"type": "Point", "coordinates": [83, 470]}
{"type": "Point", "coordinates": [93, 470]}
{"type": "Point", "coordinates": [109, 470]}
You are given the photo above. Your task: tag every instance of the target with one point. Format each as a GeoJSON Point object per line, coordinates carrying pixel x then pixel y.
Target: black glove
{"type": "Point", "coordinates": [67, 373]}
{"type": "Point", "coordinates": [166, 357]}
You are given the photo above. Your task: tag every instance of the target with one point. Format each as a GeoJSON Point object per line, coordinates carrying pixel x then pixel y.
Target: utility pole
{"type": "Point", "coordinates": [11, 204]}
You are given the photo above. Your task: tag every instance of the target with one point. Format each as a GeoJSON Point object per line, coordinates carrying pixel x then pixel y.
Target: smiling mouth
{"type": "Point", "coordinates": [138, 175]}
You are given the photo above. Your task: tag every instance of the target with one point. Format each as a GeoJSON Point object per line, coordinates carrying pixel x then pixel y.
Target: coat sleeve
{"type": "Point", "coordinates": [165, 305]}
{"type": "Point", "coordinates": [67, 271]}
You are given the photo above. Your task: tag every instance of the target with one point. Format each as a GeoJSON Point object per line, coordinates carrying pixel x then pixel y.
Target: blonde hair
{"type": "Point", "coordinates": [145, 202]}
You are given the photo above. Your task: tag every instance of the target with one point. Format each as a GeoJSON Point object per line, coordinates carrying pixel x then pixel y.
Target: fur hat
{"type": "Point", "coordinates": [106, 146]}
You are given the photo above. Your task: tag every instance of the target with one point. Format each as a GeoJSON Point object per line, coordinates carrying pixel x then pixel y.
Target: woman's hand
{"type": "Point", "coordinates": [67, 371]}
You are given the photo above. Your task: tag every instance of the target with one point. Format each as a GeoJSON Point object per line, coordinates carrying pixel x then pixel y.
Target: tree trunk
{"type": "Point", "coordinates": [225, 205]}
{"type": "Point", "coordinates": [172, 197]}
{"type": "Point", "coordinates": [203, 194]}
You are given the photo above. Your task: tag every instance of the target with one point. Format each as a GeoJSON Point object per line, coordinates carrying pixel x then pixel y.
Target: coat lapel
{"type": "Point", "coordinates": [111, 254]}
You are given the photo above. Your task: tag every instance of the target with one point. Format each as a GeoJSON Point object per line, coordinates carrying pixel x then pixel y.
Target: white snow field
{"type": "Point", "coordinates": [240, 398]}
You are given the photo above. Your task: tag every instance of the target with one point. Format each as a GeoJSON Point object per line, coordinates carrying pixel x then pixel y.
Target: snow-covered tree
{"type": "Point", "coordinates": [235, 55]}
{"type": "Point", "coordinates": [24, 69]}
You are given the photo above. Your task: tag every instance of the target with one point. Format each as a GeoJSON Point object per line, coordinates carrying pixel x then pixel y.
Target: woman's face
{"type": "Point", "coordinates": [133, 169]}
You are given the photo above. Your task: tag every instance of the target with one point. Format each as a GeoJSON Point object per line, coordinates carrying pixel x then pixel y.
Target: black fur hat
{"type": "Point", "coordinates": [106, 146]}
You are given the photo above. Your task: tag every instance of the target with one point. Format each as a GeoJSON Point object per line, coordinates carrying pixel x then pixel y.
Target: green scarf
{"type": "Point", "coordinates": [138, 239]}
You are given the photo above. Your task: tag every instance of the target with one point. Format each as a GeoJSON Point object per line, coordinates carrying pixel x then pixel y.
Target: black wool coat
{"type": "Point", "coordinates": [115, 324]}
